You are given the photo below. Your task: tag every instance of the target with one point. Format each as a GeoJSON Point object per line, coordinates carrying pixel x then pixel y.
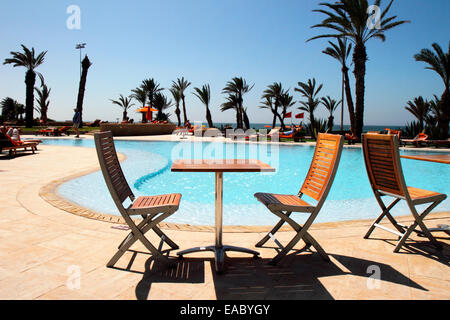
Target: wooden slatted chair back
{"type": "Point", "coordinates": [112, 172]}
{"type": "Point", "coordinates": [323, 166]}
{"type": "Point", "coordinates": [382, 160]}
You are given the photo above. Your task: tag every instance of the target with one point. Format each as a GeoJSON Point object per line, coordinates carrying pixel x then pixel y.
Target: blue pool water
{"type": "Point", "coordinates": [147, 170]}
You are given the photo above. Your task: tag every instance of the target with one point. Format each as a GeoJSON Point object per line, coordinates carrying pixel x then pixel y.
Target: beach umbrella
{"type": "Point", "coordinates": [145, 109]}
{"type": "Point", "coordinates": [267, 126]}
{"type": "Point", "coordinates": [148, 111]}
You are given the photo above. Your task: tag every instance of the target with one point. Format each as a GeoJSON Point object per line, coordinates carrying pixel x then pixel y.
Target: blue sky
{"type": "Point", "coordinates": [210, 41]}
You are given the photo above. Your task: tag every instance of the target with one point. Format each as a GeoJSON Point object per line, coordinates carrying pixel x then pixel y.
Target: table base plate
{"type": "Point", "coordinates": [219, 253]}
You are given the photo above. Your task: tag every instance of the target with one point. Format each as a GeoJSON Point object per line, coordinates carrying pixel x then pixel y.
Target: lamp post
{"type": "Point", "coordinates": [79, 47]}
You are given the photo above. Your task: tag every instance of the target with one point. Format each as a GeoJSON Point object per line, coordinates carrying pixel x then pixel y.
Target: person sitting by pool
{"type": "Point", "coordinates": [289, 132]}
{"type": "Point", "coordinates": [188, 125]}
{"type": "Point", "coordinates": [76, 122]}
{"type": "Point", "coordinates": [14, 134]}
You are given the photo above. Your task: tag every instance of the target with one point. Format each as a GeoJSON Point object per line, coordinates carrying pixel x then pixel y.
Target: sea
{"type": "Point", "coordinates": [366, 128]}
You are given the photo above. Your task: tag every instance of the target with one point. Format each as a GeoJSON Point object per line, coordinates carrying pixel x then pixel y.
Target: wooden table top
{"type": "Point", "coordinates": [441, 158]}
{"type": "Point", "coordinates": [221, 165]}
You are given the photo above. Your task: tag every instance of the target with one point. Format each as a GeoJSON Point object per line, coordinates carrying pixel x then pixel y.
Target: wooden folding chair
{"type": "Point", "coordinates": [382, 159]}
{"type": "Point", "coordinates": [316, 185]}
{"type": "Point", "coordinates": [152, 209]}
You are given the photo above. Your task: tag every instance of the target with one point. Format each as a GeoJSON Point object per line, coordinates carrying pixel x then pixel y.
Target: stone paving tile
{"type": "Point", "coordinates": [31, 283]}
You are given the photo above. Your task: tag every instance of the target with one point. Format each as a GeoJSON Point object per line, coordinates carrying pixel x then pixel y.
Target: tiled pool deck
{"type": "Point", "coordinates": [43, 247]}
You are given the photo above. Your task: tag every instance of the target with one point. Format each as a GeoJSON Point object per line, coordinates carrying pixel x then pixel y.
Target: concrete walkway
{"type": "Point", "coordinates": [47, 253]}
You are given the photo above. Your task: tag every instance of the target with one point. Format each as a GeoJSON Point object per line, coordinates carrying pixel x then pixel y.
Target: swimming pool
{"type": "Point", "coordinates": [147, 170]}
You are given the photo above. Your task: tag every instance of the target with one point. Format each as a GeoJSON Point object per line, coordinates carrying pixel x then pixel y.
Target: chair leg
{"type": "Point", "coordinates": [273, 231]}
{"type": "Point", "coordinates": [137, 233]}
{"type": "Point", "coordinates": [302, 234]}
{"type": "Point", "coordinates": [419, 222]}
{"type": "Point", "coordinates": [162, 235]}
{"type": "Point", "coordinates": [382, 215]}
{"type": "Point", "coordinates": [405, 237]}
{"type": "Point", "coordinates": [288, 247]}
{"type": "Point", "coordinates": [317, 246]}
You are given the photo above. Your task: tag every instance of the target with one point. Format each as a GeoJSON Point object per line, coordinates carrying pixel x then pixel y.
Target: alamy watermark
{"type": "Point", "coordinates": [374, 20]}
{"type": "Point", "coordinates": [74, 277]}
{"type": "Point", "coordinates": [201, 146]}
{"type": "Point", "coordinates": [73, 22]}
{"type": "Point", "coordinates": [374, 280]}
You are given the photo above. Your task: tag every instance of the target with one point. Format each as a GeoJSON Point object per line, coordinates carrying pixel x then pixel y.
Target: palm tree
{"type": "Point", "coordinates": [20, 109]}
{"type": "Point", "coordinates": [177, 97]}
{"type": "Point", "coordinates": [238, 87]}
{"type": "Point", "coordinates": [140, 95]}
{"type": "Point", "coordinates": [232, 103]}
{"type": "Point", "coordinates": [125, 104]}
{"type": "Point", "coordinates": [435, 107]}
{"type": "Point", "coordinates": [274, 92]}
{"type": "Point", "coordinates": [440, 63]}
{"type": "Point", "coordinates": [151, 87]}
{"type": "Point", "coordinates": [419, 108]}
{"type": "Point", "coordinates": [431, 119]}
{"type": "Point", "coordinates": [341, 51]}
{"type": "Point", "coordinates": [286, 101]}
{"type": "Point", "coordinates": [85, 64]}
{"type": "Point", "coordinates": [331, 106]}
{"type": "Point", "coordinates": [42, 99]}
{"type": "Point", "coordinates": [9, 108]}
{"type": "Point", "coordinates": [245, 118]}
{"type": "Point", "coordinates": [28, 60]}
{"type": "Point", "coordinates": [204, 95]}
{"type": "Point", "coordinates": [350, 19]}
{"type": "Point", "coordinates": [181, 85]}
{"type": "Point", "coordinates": [309, 91]}
{"type": "Point", "coordinates": [268, 104]}
{"type": "Point", "coordinates": [161, 103]}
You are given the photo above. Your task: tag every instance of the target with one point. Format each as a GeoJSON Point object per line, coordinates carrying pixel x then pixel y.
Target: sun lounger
{"type": "Point", "coordinates": [351, 138]}
{"type": "Point", "coordinates": [55, 131]}
{"type": "Point", "coordinates": [441, 143]}
{"type": "Point", "coordinates": [293, 134]}
{"type": "Point", "coordinates": [152, 209]}
{"type": "Point", "coordinates": [420, 140]}
{"type": "Point", "coordinates": [6, 143]}
{"type": "Point", "coordinates": [382, 160]}
{"type": "Point", "coordinates": [317, 185]}
{"type": "Point", "coordinates": [273, 132]}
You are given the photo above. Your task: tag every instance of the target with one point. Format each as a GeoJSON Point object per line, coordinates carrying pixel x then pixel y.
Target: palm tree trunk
{"type": "Point", "coordinates": [240, 116]}
{"type": "Point", "coordinates": [44, 115]}
{"type": "Point", "coordinates": [177, 112]}
{"type": "Point", "coordinates": [281, 121]}
{"type": "Point", "coordinates": [184, 110]}
{"type": "Point", "coordinates": [85, 64]}
{"type": "Point", "coordinates": [30, 79]}
{"type": "Point", "coordinates": [274, 121]}
{"type": "Point", "coordinates": [443, 121]}
{"type": "Point", "coordinates": [209, 118]}
{"type": "Point", "coordinates": [237, 119]}
{"type": "Point", "coordinates": [359, 59]}
{"type": "Point", "coordinates": [312, 120]}
{"type": "Point", "coordinates": [342, 101]}
{"type": "Point", "coordinates": [330, 123]}
{"type": "Point", "coordinates": [124, 116]}
{"type": "Point", "coordinates": [348, 95]}
{"type": "Point", "coordinates": [246, 120]}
